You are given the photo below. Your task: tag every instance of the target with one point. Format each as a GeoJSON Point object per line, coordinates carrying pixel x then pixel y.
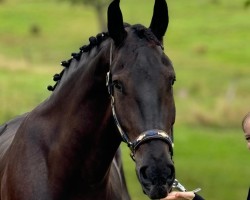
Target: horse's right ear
{"type": "Point", "coordinates": [115, 23]}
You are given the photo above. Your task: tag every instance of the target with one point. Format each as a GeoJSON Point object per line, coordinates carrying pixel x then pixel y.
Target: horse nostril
{"type": "Point", "coordinates": [144, 173]}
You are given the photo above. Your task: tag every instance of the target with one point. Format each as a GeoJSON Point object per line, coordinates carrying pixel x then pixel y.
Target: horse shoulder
{"type": "Point", "coordinates": [23, 171]}
{"type": "Point", "coordinates": [8, 132]}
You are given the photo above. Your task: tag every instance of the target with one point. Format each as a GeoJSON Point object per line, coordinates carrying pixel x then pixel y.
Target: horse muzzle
{"type": "Point", "coordinates": [155, 169]}
{"type": "Point", "coordinates": [156, 183]}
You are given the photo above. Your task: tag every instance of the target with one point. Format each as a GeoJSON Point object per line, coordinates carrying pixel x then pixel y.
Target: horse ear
{"type": "Point", "coordinates": [159, 22]}
{"type": "Point", "coordinates": [115, 23]}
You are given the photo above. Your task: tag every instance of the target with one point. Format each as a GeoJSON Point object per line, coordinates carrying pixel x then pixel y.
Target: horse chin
{"type": "Point", "coordinates": [156, 191]}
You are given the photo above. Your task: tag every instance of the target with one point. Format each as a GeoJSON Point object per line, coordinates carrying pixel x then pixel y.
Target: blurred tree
{"type": "Point", "coordinates": [99, 6]}
{"type": "Point", "coordinates": [215, 1]}
{"type": "Point", "coordinates": [247, 3]}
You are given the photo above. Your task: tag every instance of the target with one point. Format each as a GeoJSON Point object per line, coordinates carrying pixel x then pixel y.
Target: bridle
{"type": "Point", "coordinates": [154, 134]}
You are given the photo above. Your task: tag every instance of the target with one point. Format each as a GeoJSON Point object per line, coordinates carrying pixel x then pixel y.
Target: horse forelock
{"type": "Point", "coordinates": [145, 33]}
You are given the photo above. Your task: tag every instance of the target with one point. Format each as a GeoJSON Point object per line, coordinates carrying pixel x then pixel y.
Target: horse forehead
{"type": "Point", "coordinates": [145, 65]}
{"type": "Point", "coordinates": [141, 52]}
{"type": "Point", "coordinates": [151, 62]}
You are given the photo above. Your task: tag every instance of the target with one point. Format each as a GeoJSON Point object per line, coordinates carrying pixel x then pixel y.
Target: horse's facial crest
{"type": "Point", "coordinates": [143, 77]}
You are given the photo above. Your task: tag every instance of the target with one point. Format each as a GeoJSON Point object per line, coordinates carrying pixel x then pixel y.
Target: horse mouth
{"type": "Point", "coordinates": [156, 191]}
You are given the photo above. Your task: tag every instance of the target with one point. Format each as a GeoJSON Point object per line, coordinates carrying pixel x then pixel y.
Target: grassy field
{"type": "Point", "coordinates": [209, 46]}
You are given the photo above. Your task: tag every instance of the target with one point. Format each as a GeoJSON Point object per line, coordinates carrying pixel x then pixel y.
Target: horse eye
{"type": "Point", "coordinates": [172, 80]}
{"type": "Point", "coordinates": [118, 86]}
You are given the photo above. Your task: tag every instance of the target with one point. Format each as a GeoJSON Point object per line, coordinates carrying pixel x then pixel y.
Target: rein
{"type": "Point", "coordinates": [145, 136]}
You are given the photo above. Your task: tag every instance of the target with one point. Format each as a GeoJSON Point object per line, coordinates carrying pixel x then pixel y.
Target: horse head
{"type": "Point", "coordinates": [140, 82]}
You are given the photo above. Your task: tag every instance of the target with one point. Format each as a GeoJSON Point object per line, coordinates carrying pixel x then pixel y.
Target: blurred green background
{"type": "Point", "coordinates": [209, 44]}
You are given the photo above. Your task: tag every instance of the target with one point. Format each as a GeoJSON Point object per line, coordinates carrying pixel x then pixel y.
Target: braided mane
{"type": "Point", "coordinates": [93, 42]}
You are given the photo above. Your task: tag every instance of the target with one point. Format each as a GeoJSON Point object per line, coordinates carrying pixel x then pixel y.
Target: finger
{"type": "Point", "coordinates": [185, 195]}
{"type": "Point", "coordinates": [170, 196]}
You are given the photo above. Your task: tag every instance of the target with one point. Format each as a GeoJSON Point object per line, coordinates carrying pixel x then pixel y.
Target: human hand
{"type": "Point", "coordinates": [180, 196]}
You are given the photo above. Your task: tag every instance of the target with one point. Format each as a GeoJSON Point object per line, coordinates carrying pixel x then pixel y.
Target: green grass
{"type": "Point", "coordinates": [16, 88]}
{"type": "Point", "coordinates": [209, 46]}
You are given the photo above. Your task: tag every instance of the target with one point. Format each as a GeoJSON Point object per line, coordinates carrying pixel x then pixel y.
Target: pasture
{"type": "Point", "coordinates": [208, 43]}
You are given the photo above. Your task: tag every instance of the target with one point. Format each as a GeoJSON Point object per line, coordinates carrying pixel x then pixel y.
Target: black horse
{"type": "Point", "coordinates": [67, 147]}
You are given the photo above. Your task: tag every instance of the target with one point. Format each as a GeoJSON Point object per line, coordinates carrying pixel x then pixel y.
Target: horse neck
{"type": "Point", "coordinates": [86, 137]}
{"type": "Point", "coordinates": [82, 88]}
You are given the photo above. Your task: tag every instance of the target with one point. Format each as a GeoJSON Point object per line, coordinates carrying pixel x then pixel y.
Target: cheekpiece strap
{"type": "Point", "coordinates": [109, 83]}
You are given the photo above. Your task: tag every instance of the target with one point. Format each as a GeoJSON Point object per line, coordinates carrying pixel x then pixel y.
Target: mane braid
{"type": "Point", "coordinates": [93, 41]}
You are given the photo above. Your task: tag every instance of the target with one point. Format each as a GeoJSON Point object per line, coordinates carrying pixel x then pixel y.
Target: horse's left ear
{"type": "Point", "coordinates": [115, 23]}
{"type": "Point", "coordinates": [159, 23]}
